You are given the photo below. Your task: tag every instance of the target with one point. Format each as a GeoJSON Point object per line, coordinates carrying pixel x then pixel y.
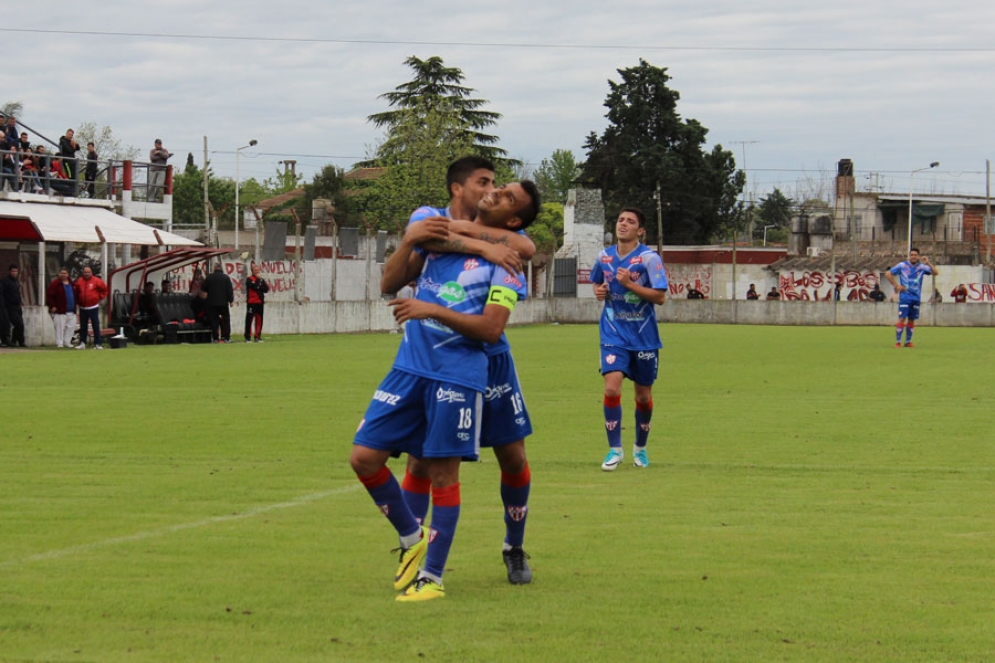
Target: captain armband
{"type": "Point", "coordinates": [502, 296]}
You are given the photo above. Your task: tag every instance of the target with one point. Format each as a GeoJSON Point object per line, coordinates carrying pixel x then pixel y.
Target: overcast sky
{"type": "Point", "coordinates": [790, 87]}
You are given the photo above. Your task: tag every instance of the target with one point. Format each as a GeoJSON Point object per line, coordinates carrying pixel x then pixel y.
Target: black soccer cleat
{"type": "Point", "coordinates": [519, 572]}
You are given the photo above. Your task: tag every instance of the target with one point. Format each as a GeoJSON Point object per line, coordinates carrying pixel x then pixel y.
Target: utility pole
{"type": "Point", "coordinates": [207, 202]}
{"type": "Point", "coordinates": [659, 221]}
{"type": "Point", "coordinates": [988, 207]}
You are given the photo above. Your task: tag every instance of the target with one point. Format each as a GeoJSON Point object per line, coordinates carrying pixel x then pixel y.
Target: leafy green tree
{"type": "Point", "coordinates": [415, 174]}
{"type": "Point", "coordinates": [556, 175]}
{"type": "Point", "coordinates": [107, 146]}
{"type": "Point", "coordinates": [284, 181]}
{"type": "Point", "coordinates": [328, 184]}
{"type": "Point", "coordinates": [776, 209]}
{"type": "Point", "coordinates": [647, 145]}
{"type": "Point", "coordinates": [546, 231]}
{"type": "Point", "coordinates": [435, 90]}
{"type": "Point", "coordinates": [188, 197]}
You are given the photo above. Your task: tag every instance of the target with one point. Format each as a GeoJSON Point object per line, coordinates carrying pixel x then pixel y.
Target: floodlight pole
{"type": "Point", "coordinates": [911, 181]}
{"type": "Point", "coordinates": [238, 182]}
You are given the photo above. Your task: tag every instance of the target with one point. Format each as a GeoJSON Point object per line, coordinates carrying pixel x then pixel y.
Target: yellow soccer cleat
{"type": "Point", "coordinates": [410, 561]}
{"type": "Point", "coordinates": [423, 589]}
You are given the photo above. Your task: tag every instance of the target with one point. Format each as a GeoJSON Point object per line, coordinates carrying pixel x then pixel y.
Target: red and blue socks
{"type": "Point", "coordinates": [417, 492]}
{"type": "Point", "coordinates": [445, 517]}
{"type": "Point", "coordinates": [515, 496]}
{"type": "Point", "coordinates": [386, 494]}
{"type": "Point", "coordinates": [644, 414]}
{"type": "Point", "coordinates": [613, 421]}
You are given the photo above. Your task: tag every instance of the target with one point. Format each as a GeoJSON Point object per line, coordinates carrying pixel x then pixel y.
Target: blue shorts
{"type": "Point", "coordinates": [909, 309]}
{"type": "Point", "coordinates": [506, 418]}
{"type": "Point", "coordinates": [637, 365]}
{"type": "Point", "coordinates": [422, 417]}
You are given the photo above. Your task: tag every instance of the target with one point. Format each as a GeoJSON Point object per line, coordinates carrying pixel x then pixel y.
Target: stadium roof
{"type": "Point", "coordinates": [85, 224]}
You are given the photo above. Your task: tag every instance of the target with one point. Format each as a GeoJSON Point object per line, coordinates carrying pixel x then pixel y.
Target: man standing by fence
{"type": "Point", "coordinates": [92, 291]}
{"type": "Point", "coordinates": [220, 296]}
{"type": "Point", "coordinates": [255, 296]}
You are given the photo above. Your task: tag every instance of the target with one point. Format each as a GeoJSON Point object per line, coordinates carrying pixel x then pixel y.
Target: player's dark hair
{"type": "Point", "coordinates": [529, 213]}
{"type": "Point", "coordinates": [460, 170]}
{"type": "Point", "coordinates": [638, 212]}
{"type": "Point", "coordinates": [914, 249]}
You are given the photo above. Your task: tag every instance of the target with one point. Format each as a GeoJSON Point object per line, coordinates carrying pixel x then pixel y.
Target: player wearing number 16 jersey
{"type": "Point", "coordinates": [630, 279]}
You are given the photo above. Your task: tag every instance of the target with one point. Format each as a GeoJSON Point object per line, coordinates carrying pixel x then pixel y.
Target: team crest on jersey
{"type": "Point", "coordinates": [511, 280]}
{"type": "Point", "coordinates": [606, 259]}
{"type": "Point", "coordinates": [471, 263]}
{"type": "Point", "coordinates": [452, 292]}
{"type": "Point", "coordinates": [610, 359]}
{"type": "Point", "coordinates": [518, 513]}
{"type": "Point", "coordinates": [636, 261]}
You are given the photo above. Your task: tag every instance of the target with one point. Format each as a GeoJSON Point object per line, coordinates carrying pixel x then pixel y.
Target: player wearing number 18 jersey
{"type": "Point", "coordinates": [429, 404]}
{"type": "Point", "coordinates": [630, 279]}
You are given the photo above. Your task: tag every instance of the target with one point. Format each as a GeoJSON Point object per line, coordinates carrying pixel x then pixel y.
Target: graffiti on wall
{"type": "Point", "coordinates": [816, 286]}
{"type": "Point", "coordinates": [279, 274]}
{"type": "Point", "coordinates": [981, 292]}
{"type": "Point", "coordinates": [679, 276]}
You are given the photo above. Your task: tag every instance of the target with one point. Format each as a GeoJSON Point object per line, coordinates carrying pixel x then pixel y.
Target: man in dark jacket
{"type": "Point", "coordinates": [12, 302]}
{"type": "Point", "coordinates": [90, 175]}
{"type": "Point", "coordinates": [220, 296]}
{"type": "Point", "coordinates": [255, 297]}
{"type": "Point", "coordinates": [68, 147]}
{"type": "Point", "coordinates": [4, 322]}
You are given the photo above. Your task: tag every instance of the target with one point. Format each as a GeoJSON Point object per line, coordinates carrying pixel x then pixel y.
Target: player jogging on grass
{"type": "Point", "coordinates": [429, 404]}
{"type": "Point", "coordinates": [505, 421]}
{"type": "Point", "coordinates": [630, 279]}
{"type": "Point", "coordinates": [909, 286]}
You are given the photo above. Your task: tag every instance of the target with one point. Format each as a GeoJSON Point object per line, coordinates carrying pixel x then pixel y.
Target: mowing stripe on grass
{"type": "Point", "coordinates": [141, 536]}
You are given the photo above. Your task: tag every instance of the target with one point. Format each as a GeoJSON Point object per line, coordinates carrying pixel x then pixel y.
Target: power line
{"type": "Point", "coordinates": [606, 47]}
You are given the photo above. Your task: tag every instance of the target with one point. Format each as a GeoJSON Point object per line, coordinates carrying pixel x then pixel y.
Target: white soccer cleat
{"type": "Point", "coordinates": [613, 460]}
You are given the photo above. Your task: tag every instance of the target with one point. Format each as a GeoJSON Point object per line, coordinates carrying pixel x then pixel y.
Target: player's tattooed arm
{"type": "Point", "coordinates": [498, 254]}
{"type": "Point", "coordinates": [521, 243]}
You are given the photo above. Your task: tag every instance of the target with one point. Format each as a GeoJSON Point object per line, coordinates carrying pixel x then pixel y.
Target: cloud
{"type": "Point", "coordinates": [887, 84]}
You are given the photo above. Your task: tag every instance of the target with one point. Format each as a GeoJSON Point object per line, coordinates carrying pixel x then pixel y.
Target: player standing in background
{"type": "Point", "coordinates": [630, 279]}
{"type": "Point", "coordinates": [506, 421]}
{"type": "Point", "coordinates": [910, 272]}
{"type": "Point", "coordinates": [429, 404]}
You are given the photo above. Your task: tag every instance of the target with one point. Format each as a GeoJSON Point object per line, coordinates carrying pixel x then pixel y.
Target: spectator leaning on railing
{"type": "Point", "coordinates": [91, 169]}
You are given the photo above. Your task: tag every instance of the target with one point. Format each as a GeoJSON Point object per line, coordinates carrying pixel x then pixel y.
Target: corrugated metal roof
{"type": "Point", "coordinates": [823, 263]}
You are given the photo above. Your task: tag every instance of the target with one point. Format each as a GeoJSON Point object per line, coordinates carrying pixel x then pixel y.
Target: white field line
{"type": "Point", "coordinates": [151, 534]}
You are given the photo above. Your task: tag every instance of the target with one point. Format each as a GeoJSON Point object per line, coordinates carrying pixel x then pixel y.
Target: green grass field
{"type": "Point", "coordinates": [814, 495]}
